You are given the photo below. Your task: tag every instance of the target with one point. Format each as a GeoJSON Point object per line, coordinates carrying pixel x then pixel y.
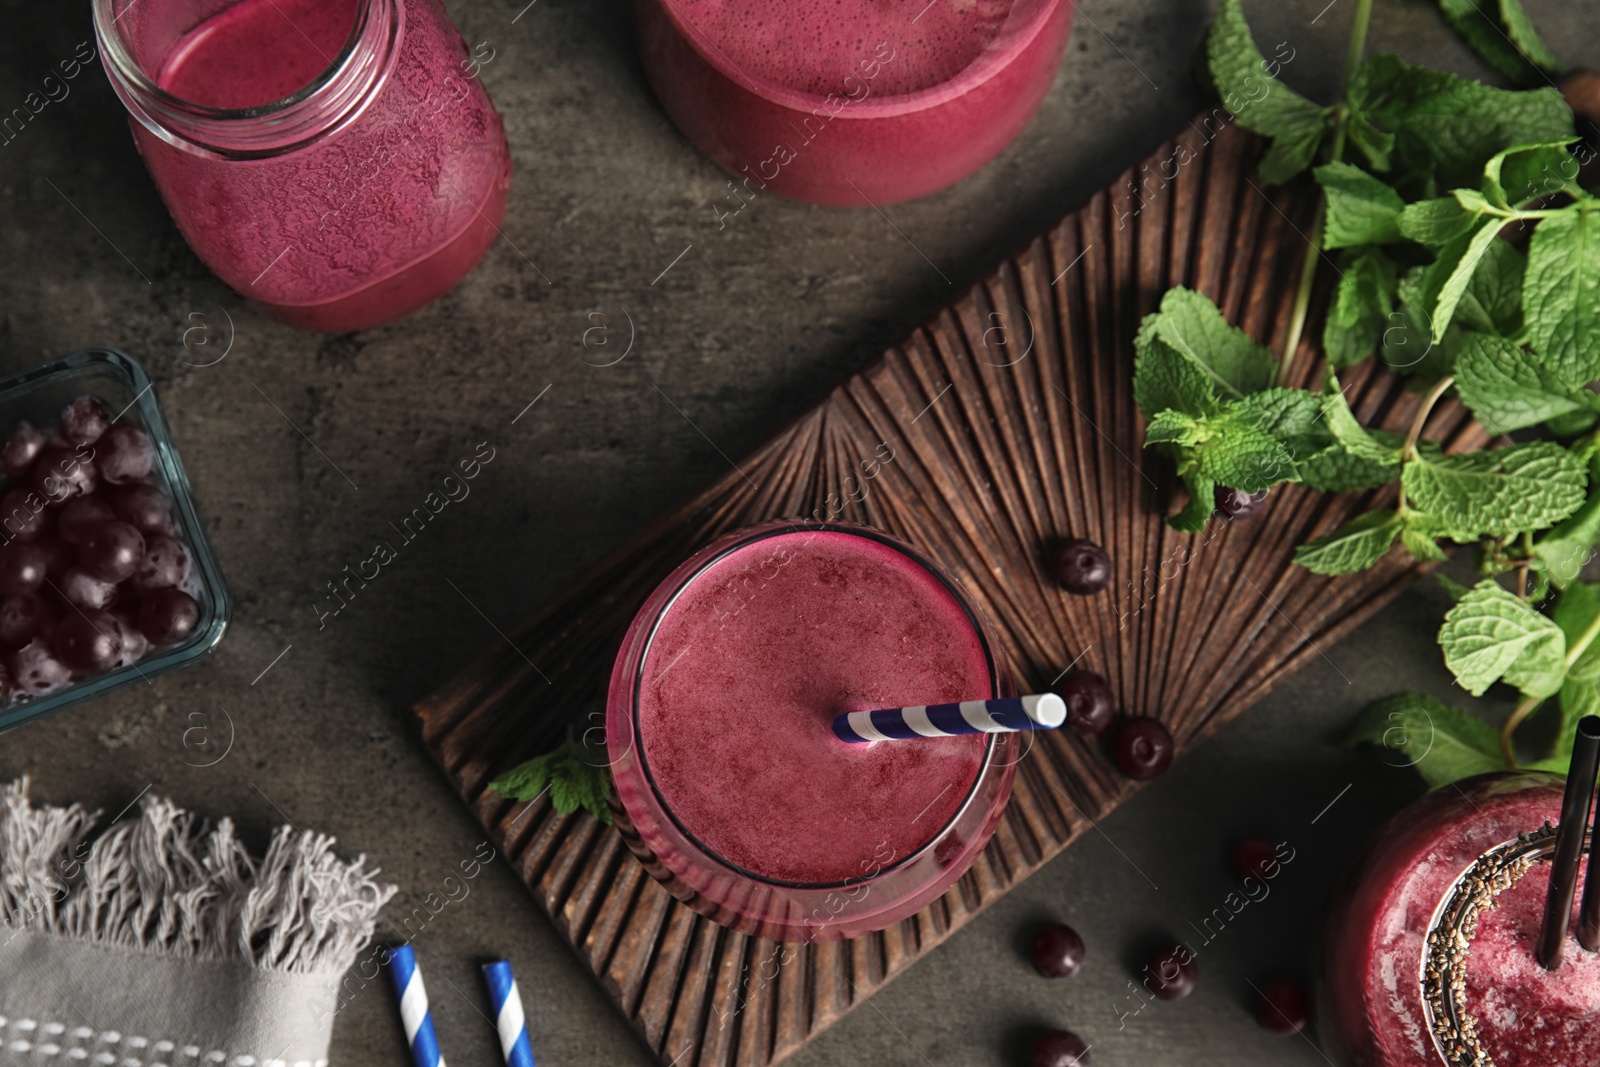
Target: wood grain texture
{"type": "Point", "coordinates": [1011, 421]}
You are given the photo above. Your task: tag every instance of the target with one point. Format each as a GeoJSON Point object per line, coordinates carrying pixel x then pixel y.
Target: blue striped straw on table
{"type": "Point", "coordinates": [1045, 711]}
{"type": "Point", "coordinates": [407, 978]}
{"type": "Point", "coordinates": [508, 1017]}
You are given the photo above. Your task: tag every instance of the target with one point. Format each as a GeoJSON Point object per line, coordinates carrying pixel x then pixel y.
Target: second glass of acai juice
{"type": "Point", "coordinates": [850, 104]}
{"type": "Point", "coordinates": [734, 790]}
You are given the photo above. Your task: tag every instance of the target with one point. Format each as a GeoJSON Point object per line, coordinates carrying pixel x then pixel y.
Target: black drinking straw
{"type": "Point", "coordinates": [1569, 842]}
{"type": "Point", "coordinates": [1589, 910]}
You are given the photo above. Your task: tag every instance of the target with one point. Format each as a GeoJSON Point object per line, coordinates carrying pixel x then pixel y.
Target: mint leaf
{"type": "Point", "coordinates": [1258, 100]}
{"type": "Point", "coordinates": [573, 783]}
{"type": "Point", "coordinates": [1520, 29]}
{"type": "Point", "coordinates": [1408, 341]}
{"type": "Point", "coordinates": [1333, 470]}
{"type": "Point", "coordinates": [1290, 416]}
{"type": "Point", "coordinates": [1443, 743]}
{"type": "Point", "coordinates": [1202, 503]}
{"type": "Point", "coordinates": [1575, 609]}
{"type": "Point", "coordinates": [1361, 307]}
{"type": "Point", "coordinates": [1361, 209]}
{"type": "Point", "coordinates": [1490, 634]}
{"type": "Point", "coordinates": [1193, 327]}
{"type": "Point", "coordinates": [1163, 380]}
{"type": "Point", "coordinates": [1561, 295]}
{"type": "Point", "coordinates": [1233, 451]}
{"type": "Point", "coordinates": [1355, 546]}
{"type": "Point", "coordinates": [1172, 428]}
{"type": "Point", "coordinates": [1528, 172]}
{"type": "Point", "coordinates": [1485, 30]}
{"type": "Point", "coordinates": [1493, 300]}
{"type": "Point", "coordinates": [1570, 545]}
{"type": "Point", "coordinates": [1463, 260]}
{"type": "Point", "coordinates": [1446, 128]}
{"type": "Point", "coordinates": [1419, 540]}
{"type": "Point", "coordinates": [1507, 387]}
{"type": "Point", "coordinates": [1356, 439]}
{"type": "Point", "coordinates": [1524, 487]}
{"type": "Point", "coordinates": [1437, 222]}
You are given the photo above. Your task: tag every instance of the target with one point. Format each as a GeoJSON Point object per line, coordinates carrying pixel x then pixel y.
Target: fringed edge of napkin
{"type": "Point", "coordinates": [171, 883]}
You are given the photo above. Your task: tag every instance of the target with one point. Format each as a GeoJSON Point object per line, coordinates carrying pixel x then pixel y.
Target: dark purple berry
{"type": "Point", "coordinates": [1171, 973]}
{"type": "Point", "coordinates": [125, 454]}
{"type": "Point", "coordinates": [83, 421]}
{"type": "Point", "coordinates": [36, 670]}
{"type": "Point", "coordinates": [1254, 857]}
{"type": "Point", "coordinates": [62, 474]}
{"type": "Point", "coordinates": [1057, 951]}
{"type": "Point", "coordinates": [112, 552]}
{"type": "Point", "coordinates": [1083, 567]}
{"type": "Point", "coordinates": [84, 590]}
{"type": "Point", "coordinates": [165, 565]}
{"type": "Point", "coordinates": [1238, 504]}
{"type": "Point", "coordinates": [1143, 748]}
{"type": "Point", "coordinates": [1283, 1007]}
{"type": "Point", "coordinates": [81, 517]}
{"type": "Point", "coordinates": [134, 644]}
{"type": "Point", "coordinates": [87, 642]}
{"type": "Point", "coordinates": [1060, 1048]}
{"type": "Point", "coordinates": [19, 518]}
{"type": "Point", "coordinates": [22, 568]}
{"type": "Point", "coordinates": [167, 615]}
{"type": "Point", "coordinates": [21, 449]}
{"type": "Point", "coordinates": [143, 505]}
{"type": "Point", "coordinates": [1090, 704]}
{"type": "Point", "coordinates": [24, 618]}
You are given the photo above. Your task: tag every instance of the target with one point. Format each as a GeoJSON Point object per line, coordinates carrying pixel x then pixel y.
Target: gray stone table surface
{"type": "Point", "coordinates": [749, 327]}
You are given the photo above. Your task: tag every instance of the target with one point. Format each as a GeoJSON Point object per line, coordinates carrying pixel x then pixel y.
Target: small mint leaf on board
{"type": "Point", "coordinates": [1437, 222]}
{"type": "Point", "coordinates": [1561, 295]}
{"type": "Point", "coordinates": [1443, 743]}
{"type": "Point", "coordinates": [1463, 260]}
{"type": "Point", "coordinates": [1491, 635]}
{"type": "Point", "coordinates": [1420, 540]}
{"type": "Point", "coordinates": [1361, 210]}
{"type": "Point", "coordinates": [1355, 546]}
{"type": "Point", "coordinates": [1236, 364]}
{"type": "Point", "coordinates": [573, 784]}
{"type": "Point", "coordinates": [1446, 127]}
{"type": "Point", "coordinates": [1507, 387]}
{"type": "Point", "coordinates": [1172, 428]}
{"type": "Point", "coordinates": [1525, 487]}
{"type": "Point", "coordinates": [1575, 609]}
{"type": "Point", "coordinates": [1569, 545]}
{"type": "Point", "coordinates": [1527, 172]}
{"type": "Point", "coordinates": [1202, 502]}
{"type": "Point", "coordinates": [1362, 304]}
{"type": "Point", "coordinates": [1247, 82]}
{"type": "Point", "coordinates": [1163, 380]}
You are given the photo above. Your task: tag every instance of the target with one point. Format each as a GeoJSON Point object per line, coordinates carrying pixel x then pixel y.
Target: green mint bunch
{"type": "Point", "coordinates": [574, 784]}
{"type": "Point", "coordinates": [1468, 260]}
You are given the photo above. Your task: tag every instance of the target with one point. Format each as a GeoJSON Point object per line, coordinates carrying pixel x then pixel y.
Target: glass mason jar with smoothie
{"type": "Point", "coordinates": [735, 790]}
{"type": "Point", "coordinates": [856, 104]}
{"type": "Point", "coordinates": [336, 162]}
{"type": "Point", "coordinates": [1432, 952]}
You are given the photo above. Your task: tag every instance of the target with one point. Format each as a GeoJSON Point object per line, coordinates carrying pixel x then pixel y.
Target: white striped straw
{"type": "Point", "coordinates": [1004, 715]}
{"type": "Point", "coordinates": [508, 1016]}
{"type": "Point", "coordinates": [407, 978]}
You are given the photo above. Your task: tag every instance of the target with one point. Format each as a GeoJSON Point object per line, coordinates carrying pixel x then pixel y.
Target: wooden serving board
{"type": "Point", "coordinates": [1011, 421]}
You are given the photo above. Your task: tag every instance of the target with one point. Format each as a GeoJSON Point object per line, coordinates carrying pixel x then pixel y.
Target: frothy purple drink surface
{"type": "Point", "coordinates": [742, 680]}
{"type": "Point", "coordinates": [258, 51]}
{"type": "Point", "coordinates": [814, 46]}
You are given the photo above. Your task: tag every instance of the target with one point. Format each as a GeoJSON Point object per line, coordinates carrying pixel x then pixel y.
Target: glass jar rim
{"type": "Point", "coordinates": [329, 102]}
{"type": "Point", "coordinates": [696, 566]}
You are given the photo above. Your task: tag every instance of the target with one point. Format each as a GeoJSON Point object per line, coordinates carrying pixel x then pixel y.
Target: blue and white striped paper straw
{"type": "Point", "coordinates": [508, 1017]}
{"type": "Point", "coordinates": [1005, 715]}
{"type": "Point", "coordinates": [407, 978]}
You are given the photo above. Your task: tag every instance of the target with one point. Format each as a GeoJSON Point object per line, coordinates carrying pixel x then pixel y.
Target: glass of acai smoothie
{"type": "Point", "coordinates": [1430, 955]}
{"type": "Point", "coordinates": [733, 788]}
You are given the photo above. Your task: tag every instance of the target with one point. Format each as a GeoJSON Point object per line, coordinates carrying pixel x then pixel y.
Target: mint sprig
{"type": "Point", "coordinates": [573, 783]}
{"type": "Point", "coordinates": [1441, 170]}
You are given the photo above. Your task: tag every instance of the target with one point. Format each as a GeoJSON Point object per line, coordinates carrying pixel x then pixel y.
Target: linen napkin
{"type": "Point", "coordinates": [162, 942]}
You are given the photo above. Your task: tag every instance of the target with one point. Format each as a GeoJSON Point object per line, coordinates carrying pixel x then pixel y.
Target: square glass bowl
{"type": "Point", "coordinates": [119, 382]}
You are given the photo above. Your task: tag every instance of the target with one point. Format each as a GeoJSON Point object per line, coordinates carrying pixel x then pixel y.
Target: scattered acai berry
{"type": "Point", "coordinates": [1253, 857]}
{"type": "Point", "coordinates": [1142, 748]}
{"type": "Point", "coordinates": [1090, 704]}
{"type": "Point", "coordinates": [1083, 567]}
{"type": "Point", "coordinates": [1057, 951]}
{"type": "Point", "coordinates": [1171, 973]}
{"type": "Point", "coordinates": [1283, 1007]}
{"type": "Point", "coordinates": [1238, 504]}
{"type": "Point", "coordinates": [1060, 1048]}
